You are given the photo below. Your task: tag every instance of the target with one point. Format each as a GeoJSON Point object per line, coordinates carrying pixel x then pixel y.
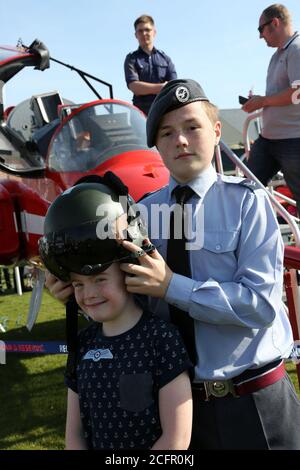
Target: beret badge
{"type": "Point", "coordinates": [182, 94]}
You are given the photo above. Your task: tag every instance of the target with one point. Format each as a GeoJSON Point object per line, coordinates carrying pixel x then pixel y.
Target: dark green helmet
{"type": "Point", "coordinates": [80, 230]}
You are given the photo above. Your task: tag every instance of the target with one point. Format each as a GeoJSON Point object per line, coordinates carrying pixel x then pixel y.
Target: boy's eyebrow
{"type": "Point", "coordinates": [187, 121]}
{"type": "Point", "coordinates": [102, 275]}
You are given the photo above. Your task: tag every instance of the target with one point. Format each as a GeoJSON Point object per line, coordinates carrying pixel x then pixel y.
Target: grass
{"type": "Point", "coordinates": [32, 390]}
{"type": "Point", "coordinates": [33, 403]}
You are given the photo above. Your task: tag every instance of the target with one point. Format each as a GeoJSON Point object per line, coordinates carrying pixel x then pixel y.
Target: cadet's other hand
{"type": "Point", "coordinates": [151, 277]}
{"type": "Point", "coordinates": [59, 289]}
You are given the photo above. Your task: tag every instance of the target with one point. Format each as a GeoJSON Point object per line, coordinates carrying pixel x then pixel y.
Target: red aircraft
{"type": "Point", "coordinates": [46, 145]}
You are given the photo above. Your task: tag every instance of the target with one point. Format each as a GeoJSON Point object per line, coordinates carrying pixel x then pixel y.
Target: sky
{"type": "Point", "coordinates": [213, 42]}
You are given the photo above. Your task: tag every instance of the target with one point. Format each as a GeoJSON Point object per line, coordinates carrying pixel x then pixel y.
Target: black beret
{"type": "Point", "coordinates": [173, 95]}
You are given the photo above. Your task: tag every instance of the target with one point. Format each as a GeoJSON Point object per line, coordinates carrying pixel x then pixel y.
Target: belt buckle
{"type": "Point", "coordinates": [219, 388]}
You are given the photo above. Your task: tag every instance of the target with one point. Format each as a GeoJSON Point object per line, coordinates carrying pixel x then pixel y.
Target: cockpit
{"type": "Point", "coordinates": [93, 134]}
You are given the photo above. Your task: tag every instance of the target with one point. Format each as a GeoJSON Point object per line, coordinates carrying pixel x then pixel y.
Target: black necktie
{"type": "Point", "coordinates": [178, 262]}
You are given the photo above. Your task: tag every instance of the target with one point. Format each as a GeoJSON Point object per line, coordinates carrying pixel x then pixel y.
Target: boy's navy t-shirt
{"type": "Point", "coordinates": [118, 379]}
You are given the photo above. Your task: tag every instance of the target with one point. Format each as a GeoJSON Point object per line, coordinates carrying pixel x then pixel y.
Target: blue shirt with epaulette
{"type": "Point", "coordinates": [154, 68]}
{"type": "Point", "coordinates": [234, 294]}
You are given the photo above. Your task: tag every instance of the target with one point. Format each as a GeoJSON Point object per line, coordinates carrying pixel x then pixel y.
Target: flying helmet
{"type": "Point", "coordinates": [83, 225]}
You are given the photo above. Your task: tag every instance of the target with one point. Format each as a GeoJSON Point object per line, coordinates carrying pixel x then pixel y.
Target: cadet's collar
{"type": "Point", "coordinates": [146, 53]}
{"type": "Point", "coordinates": [200, 185]}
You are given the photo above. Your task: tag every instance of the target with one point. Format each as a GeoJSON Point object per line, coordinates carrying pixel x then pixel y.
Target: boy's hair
{"type": "Point", "coordinates": [277, 10]}
{"type": "Point", "coordinates": [143, 19]}
{"type": "Point", "coordinates": [211, 110]}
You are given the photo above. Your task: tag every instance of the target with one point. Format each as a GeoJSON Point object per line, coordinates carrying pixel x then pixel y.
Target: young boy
{"type": "Point", "coordinates": [131, 388]}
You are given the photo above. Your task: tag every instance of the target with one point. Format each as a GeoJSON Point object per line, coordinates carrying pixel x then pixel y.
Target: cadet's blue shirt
{"type": "Point", "coordinates": [235, 294]}
{"type": "Point", "coordinates": [154, 68]}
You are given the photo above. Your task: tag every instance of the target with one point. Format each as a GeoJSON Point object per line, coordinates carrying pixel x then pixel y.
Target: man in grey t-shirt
{"type": "Point", "coordinates": [278, 146]}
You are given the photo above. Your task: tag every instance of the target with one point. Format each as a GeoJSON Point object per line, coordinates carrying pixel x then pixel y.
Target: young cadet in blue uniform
{"type": "Point", "coordinates": [147, 69]}
{"type": "Point", "coordinates": [243, 399]}
{"type": "Point", "coordinates": [130, 388]}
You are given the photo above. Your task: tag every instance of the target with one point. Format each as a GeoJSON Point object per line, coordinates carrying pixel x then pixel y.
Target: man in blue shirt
{"type": "Point", "coordinates": [147, 69]}
{"type": "Point", "coordinates": [242, 397]}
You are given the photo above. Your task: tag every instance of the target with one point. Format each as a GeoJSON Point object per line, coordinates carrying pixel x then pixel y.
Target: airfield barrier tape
{"type": "Point", "coordinates": [34, 347]}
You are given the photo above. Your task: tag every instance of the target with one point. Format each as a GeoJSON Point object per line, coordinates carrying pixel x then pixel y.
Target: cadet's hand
{"type": "Point", "coordinates": [254, 103]}
{"type": "Point", "coordinates": [151, 277]}
{"type": "Point", "coordinates": [59, 289]}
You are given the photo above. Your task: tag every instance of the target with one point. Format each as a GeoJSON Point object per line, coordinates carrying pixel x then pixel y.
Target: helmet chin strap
{"type": "Point", "coordinates": [71, 336]}
{"type": "Point", "coordinates": [90, 269]}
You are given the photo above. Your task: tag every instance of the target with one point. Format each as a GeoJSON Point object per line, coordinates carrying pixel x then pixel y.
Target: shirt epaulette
{"type": "Point", "coordinates": [240, 181]}
{"type": "Point", "coordinates": [151, 192]}
{"type": "Point", "coordinates": [130, 54]}
{"type": "Point", "coordinates": [250, 184]}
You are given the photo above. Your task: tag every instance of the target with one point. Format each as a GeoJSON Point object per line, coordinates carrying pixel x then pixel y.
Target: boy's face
{"type": "Point", "coordinates": [186, 139]}
{"type": "Point", "coordinates": [145, 34]}
{"type": "Point", "coordinates": [103, 297]}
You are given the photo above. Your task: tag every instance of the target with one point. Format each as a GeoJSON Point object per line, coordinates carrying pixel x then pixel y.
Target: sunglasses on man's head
{"type": "Point", "coordinates": [262, 26]}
